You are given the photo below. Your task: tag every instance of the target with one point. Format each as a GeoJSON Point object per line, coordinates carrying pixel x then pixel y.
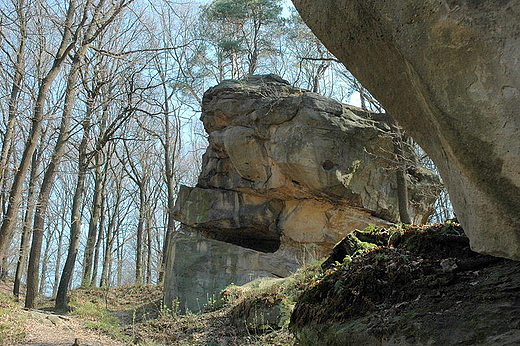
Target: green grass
{"type": "Point", "coordinates": [97, 317]}
{"type": "Point", "coordinates": [11, 331]}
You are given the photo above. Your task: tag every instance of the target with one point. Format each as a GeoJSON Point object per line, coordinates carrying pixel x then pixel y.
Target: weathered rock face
{"type": "Point", "coordinates": [449, 72]}
{"type": "Point", "coordinates": [199, 268]}
{"type": "Point", "coordinates": [288, 166]}
{"type": "Point", "coordinates": [287, 172]}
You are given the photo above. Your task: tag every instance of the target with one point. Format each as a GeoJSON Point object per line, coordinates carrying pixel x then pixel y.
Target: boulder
{"type": "Point", "coordinates": [285, 165]}
{"type": "Point", "coordinates": [289, 173]}
{"type": "Point", "coordinates": [449, 72]}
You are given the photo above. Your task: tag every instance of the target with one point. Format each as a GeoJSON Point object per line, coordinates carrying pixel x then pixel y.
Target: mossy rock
{"type": "Point", "coordinates": [424, 287]}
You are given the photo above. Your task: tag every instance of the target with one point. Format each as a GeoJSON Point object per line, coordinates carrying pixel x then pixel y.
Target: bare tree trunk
{"type": "Point", "coordinates": [107, 258]}
{"type": "Point", "coordinates": [254, 51]}
{"type": "Point", "coordinates": [67, 44]}
{"type": "Point", "coordinates": [119, 262]}
{"type": "Point", "coordinates": [94, 218]}
{"type": "Point", "coordinates": [48, 181]}
{"type": "Point", "coordinates": [44, 196]}
{"type": "Point", "coordinates": [59, 251]}
{"type": "Point", "coordinates": [141, 181]}
{"type": "Point", "coordinates": [400, 172]}
{"type": "Point", "coordinates": [94, 29]}
{"type": "Point", "coordinates": [45, 261]}
{"type": "Point", "coordinates": [75, 226]}
{"type": "Point", "coordinates": [111, 236]}
{"type": "Point", "coordinates": [149, 255]}
{"type": "Point", "coordinates": [140, 234]}
{"type": "Point", "coordinates": [26, 233]}
{"type": "Point", "coordinates": [100, 238]}
{"type": "Point", "coordinates": [171, 144]}
{"type": "Point", "coordinates": [15, 92]}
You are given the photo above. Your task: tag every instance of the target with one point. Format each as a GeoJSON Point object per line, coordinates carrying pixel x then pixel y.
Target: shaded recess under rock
{"type": "Point", "coordinates": [291, 172]}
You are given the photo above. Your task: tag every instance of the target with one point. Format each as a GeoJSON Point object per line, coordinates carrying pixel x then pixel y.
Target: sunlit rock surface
{"type": "Point", "coordinates": [288, 172]}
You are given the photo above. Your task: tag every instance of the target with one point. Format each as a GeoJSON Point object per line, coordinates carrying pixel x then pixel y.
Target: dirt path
{"type": "Point", "coordinates": [45, 329]}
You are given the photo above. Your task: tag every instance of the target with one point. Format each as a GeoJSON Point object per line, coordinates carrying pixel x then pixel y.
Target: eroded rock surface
{"type": "Point", "coordinates": [289, 166]}
{"type": "Point", "coordinates": [288, 172]}
{"type": "Point", "coordinates": [449, 72]}
{"type": "Point", "coordinates": [199, 268]}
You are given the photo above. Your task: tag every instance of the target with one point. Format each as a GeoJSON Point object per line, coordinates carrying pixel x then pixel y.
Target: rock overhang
{"type": "Point", "coordinates": [449, 72]}
{"type": "Point", "coordinates": [287, 166]}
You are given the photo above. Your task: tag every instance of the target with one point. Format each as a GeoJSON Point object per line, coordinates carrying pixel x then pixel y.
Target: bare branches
{"type": "Point", "coordinates": [144, 50]}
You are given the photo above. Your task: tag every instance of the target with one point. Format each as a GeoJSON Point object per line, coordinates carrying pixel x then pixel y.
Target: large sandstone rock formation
{"type": "Point", "coordinates": [289, 166]}
{"type": "Point", "coordinates": [449, 72]}
{"type": "Point", "coordinates": [288, 172]}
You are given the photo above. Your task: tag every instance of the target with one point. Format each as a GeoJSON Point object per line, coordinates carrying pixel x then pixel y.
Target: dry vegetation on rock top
{"type": "Point", "coordinates": [418, 286]}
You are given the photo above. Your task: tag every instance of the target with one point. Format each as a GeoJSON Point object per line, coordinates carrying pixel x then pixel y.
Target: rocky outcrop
{"type": "Point", "coordinates": [199, 268]}
{"type": "Point", "coordinates": [287, 172]}
{"type": "Point", "coordinates": [449, 72]}
{"type": "Point", "coordinates": [420, 286]}
{"type": "Point", "coordinates": [286, 166]}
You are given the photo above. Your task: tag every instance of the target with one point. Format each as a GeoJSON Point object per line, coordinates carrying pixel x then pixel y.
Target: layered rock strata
{"type": "Point", "coordinates": [290, 172]}
{"type": "Point", "coordinates": [289, 166]}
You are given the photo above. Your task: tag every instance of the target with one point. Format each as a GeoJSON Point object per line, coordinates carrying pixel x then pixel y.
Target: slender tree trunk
{"type": "Point", "coordinates": [26, 233]}
{"type": "Point", "coordinates": [92, 30]}
{"type": "Point", "coordinates": [5, 185]}
{"type": "Point", "coordinates": [99, 242]}
{"type": "Point", "coordinates": [110, 238]}
{"type": "Point", "coordinates": [119, 262]}
{"type": "Point", "coordinates": [149, 247]}
{"type": "Point", "coordinates": [15, 92]}
{"type": "Point", "coordinates": [101, 233]}
{"type": "Point", "coordinates": [362, 97]}
{"type": "Point", "coordinates": [170, 144]}
{"type": "Point", "coordinates": [140, 235]}
{"type": "Point", "coordinates": [75, 224]}
{"type": "Point", "coordinates": [94, 219]}
{"type": "Point", "coordinates": [45, 261]}
{"type": "Point", "coordinates": [59, 252]}
{"type": "Point", "coordinates": [255, 51]}
{"type": "Point", "coordinates": [169, 158]}
{"type": "Point", "coordinates": [48, 181]}
{"type": "Point", "coordinates": [402, 186]}
{"type": "Point", "coordinates": [9, 221]}
{"type": "Point", "coordinates": [107, 258]}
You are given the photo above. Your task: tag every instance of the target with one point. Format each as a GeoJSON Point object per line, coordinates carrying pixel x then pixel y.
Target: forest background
{"type": "Point", "coordinates": [99, 104]}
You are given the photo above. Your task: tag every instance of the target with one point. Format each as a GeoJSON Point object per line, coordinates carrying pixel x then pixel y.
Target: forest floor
{"type": "Point", "coordinates": [423, 285]}
{"type": "Point", "coordinates": [130, 315]}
